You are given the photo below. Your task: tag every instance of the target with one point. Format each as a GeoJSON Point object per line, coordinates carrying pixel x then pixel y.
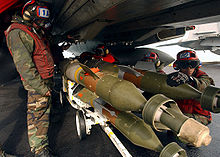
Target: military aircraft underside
{"type": "Point", "coordinates": [124, 24]}
{"type": "Point", "coordinates": [133, 22]}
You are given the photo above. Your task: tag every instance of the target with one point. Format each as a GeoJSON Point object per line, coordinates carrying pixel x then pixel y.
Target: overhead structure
{"type": "Point", "coordinates": [133, 22]}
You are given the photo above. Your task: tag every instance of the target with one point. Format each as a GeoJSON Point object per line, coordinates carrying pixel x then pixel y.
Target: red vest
{"type": "Point", "coordinates": [193, 106]}
{"type": "Point", "coordinates": [42, 56]}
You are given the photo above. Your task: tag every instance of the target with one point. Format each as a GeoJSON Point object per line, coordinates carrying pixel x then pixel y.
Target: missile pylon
{"type": "Point", "coordinates": [155, 83]}
{"type": "Point", "coordinates": [124, 96]}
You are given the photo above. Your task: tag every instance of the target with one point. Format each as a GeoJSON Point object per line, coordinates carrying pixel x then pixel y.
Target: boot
{"type": "Point", "coordinates": [46, 152]}
{"type": "Point", "coordinates": [4, 154]}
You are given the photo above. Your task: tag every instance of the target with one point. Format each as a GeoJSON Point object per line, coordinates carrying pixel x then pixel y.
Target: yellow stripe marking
{"type": "Point", "coordinates": [110, 133]}
{"type": "Point", "coordinates": [91, 102]}
{"type": "Point", "coordinates": [77, 73]}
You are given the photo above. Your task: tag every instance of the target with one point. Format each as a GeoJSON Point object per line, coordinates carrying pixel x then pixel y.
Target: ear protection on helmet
{"type": "Point", "coordinates": [175, 66]}
{"type": "Point", "coordinates": [157, 63]}
{"type": "Point", "coordinates": [27, 16]}
{"type": "Point", "coordinates": [200, 65]}
{"type": "Point", "coordinates": [102, 50]}
{"type": "Point", "coordinates": [107, 51]}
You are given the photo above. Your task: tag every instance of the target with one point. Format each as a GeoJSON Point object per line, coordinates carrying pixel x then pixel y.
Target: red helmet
{"type": "Point", "coordinates": [101, 50]}
{"type": "Point", "coordinates": [187, 55]}
{"type": "Point", "coordinates": [186, 58]}
{"type": "Point", "coordinates": [36, 11]}
{"type": "Point", "coordinates": [152, 57]}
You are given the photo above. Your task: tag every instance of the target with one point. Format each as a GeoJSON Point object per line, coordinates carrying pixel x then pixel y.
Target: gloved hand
{"type": "Point", "coordinates": [177, 78]}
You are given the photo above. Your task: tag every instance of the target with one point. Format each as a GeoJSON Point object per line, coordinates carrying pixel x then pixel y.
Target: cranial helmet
{"type": "Point", "coordinates": [102, 50]}
{"type": "Point", "coordinates": [185, 59]}
{"type": "Point", "coordinates": [36, 12]}
{"type": "Point", "coordinates": [152, 57]}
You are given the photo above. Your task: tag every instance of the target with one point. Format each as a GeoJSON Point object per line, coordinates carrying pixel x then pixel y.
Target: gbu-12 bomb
{"type": "Point", "coordinates": [131, 126]}
{"type": "Point", "coordinates": [156, 83]}
{"type": "Point", "coordinates": [113, 90]}
{"type": "Point", "coordinates": [136, 130]}
{"type": "Point", "coordinates": [124, 96]}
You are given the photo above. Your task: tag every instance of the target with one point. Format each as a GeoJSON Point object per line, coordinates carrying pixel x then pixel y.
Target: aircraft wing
{"type": "Point", "coordinates": [171, 44]}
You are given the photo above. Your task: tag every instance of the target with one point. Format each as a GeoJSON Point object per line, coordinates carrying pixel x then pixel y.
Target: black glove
{"type": "Point", "coordinates": [177, 78]}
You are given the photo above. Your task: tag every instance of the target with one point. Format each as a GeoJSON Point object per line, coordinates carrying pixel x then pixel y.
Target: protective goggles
{"type": "Point", "coordinates": [185, 64]}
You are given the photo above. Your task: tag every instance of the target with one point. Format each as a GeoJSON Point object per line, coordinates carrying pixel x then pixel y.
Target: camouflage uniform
{"type": "Point", "coordinates": [202, 81]}
{"type": "Point", "coordinates": [22, 46]}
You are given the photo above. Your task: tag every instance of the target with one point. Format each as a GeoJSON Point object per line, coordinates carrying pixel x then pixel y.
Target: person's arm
{"type": "Point", "coordinates": [22, 46]}
{"type": "Point", "coordinates": [177, 78]}
{"type": "Point", "coordinates": [202, 82]}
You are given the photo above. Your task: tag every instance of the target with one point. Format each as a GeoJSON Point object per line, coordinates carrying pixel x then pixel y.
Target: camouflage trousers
{"type": "Point", "coordinates": [38, 120]}
{"type": "Point", "coordinates": [200, 118]}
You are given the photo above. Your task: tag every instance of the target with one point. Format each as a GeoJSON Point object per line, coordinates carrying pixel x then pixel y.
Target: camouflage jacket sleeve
{"type": "Point", "coordinates": [202, 82]}
{"type": "Point", "coordinates": [22, 46]}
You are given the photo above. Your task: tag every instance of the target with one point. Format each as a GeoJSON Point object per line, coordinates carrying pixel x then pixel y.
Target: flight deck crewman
{"type": "Point", "coordinates": [154, 57]}
{"type": "Point", "coordinates": [31, 53]}
{"type": "Point", "coordinates": [188, 65]}
{"type": "Point", "coordinates": [102, 52]}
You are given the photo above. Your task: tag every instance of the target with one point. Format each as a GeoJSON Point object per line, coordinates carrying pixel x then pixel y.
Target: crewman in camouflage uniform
{"type": "Point", "coordinates": [188, 65]}
{"type": "Point", "coordinates": [31, 53]}
{"type": "Point", "coordinates": [4, 154]}
{"type": "Point", "coordinates": [154, 57]}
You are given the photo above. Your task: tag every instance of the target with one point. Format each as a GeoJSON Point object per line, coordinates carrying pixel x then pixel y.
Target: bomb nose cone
{"type": "Point", "coordinates": [195, 133]}
{"type": "Point", "coordinates": [206, 140]}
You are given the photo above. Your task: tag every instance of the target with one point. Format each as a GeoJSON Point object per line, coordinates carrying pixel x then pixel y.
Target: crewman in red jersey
{"type": "Point", "coordinates": [102, 52]}
{"type": "Point", "coordinates": [188, 65]}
